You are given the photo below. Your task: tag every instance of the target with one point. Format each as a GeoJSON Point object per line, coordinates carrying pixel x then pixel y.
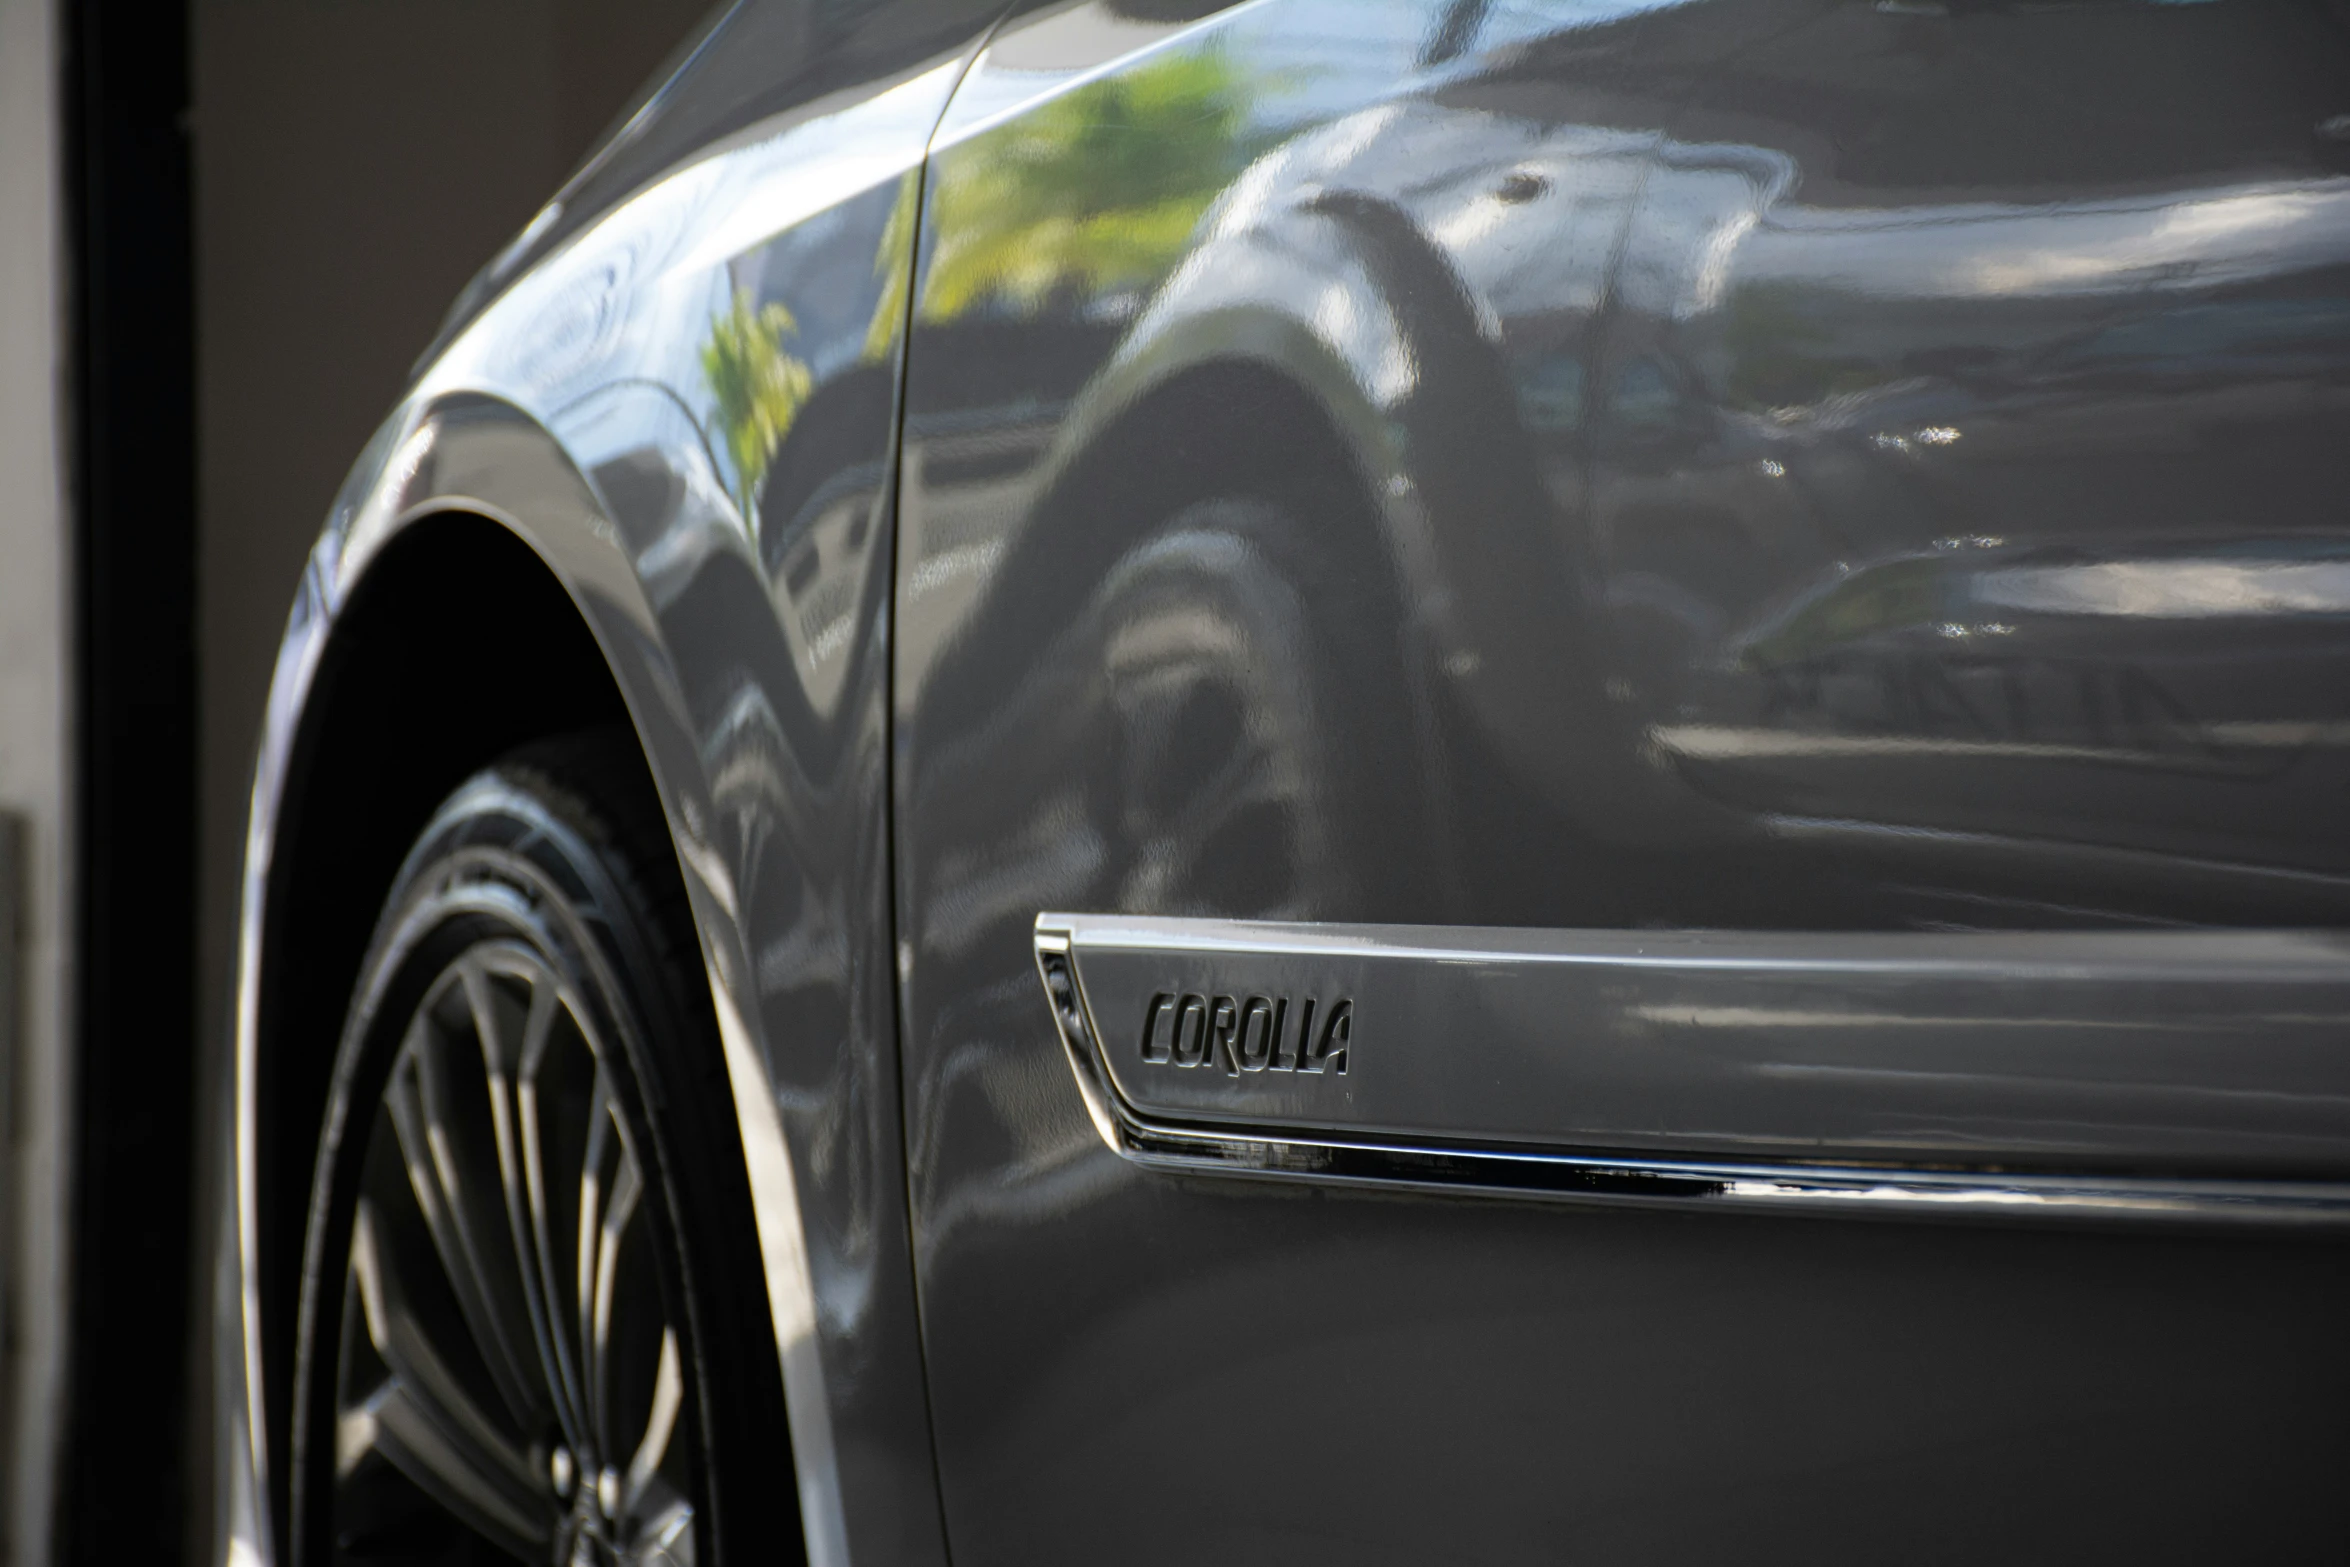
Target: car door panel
{"type": "Point", "coordinates": [1935, 330]}
{"type": "Point", "coordinates": [1477, 466]}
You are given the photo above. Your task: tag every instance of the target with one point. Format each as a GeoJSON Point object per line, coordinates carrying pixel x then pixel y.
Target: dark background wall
{"type": "Point", "coordinates": [354, 162]}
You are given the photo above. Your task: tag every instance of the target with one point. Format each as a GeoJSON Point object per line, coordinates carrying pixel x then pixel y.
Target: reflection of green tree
{"type": "Point", "coordinates": [759, 385]}
{"type": "Point", "coordinates": [894, 262]}
{"type": "Point", "coordinates": [1097, 190]}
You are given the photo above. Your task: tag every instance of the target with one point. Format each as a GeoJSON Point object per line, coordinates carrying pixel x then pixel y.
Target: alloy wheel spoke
{"type": "Point", "coordinates": [419, 1418]}
{"type": "Point", "coordinates": [598, 1170]}
{"type": "Point", "coordinates": [660, 1425]}
{"type": "Point", "coordinates": [513, 1070]}
{"type": "Point", "coordinates": [507, 1349]}
{"type": "Point", "coordinates": [665, 1531]}
{"type": "Point", "coordinates": [611, 1232]}
{"type": "Point", "coordinates": [453, 1182]}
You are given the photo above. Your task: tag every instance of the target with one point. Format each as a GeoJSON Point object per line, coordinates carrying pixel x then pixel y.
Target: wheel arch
{"type": "Point", "coordinates": [468, 596]}
{"type": "Point", "coordinates": [457, 646]}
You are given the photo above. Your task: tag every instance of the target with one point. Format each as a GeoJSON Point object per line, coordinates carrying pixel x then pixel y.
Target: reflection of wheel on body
{"type": "Point", "coordinates": [529, 1225]}
{"type": "Point", "coordinates": [1225, 769]}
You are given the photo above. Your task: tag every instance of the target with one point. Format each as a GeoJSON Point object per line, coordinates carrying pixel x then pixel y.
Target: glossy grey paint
{"type": "Point", "coordinates": [1784, 548]}
{"type": "Point", "coordinates": [1460, 464]}
{"type": "Point", "coordinates": [685, 406]}
{"type": "Point", "coordinates": [1752, 465]}
{"type": "Point", "coordinates": [2206, 1051]}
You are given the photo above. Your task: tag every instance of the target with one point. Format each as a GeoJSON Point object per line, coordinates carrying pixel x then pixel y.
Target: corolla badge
{"type": "Point", "coordinates": [1247, 1033]}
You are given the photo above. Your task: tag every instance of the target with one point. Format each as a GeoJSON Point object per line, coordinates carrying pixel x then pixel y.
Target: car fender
{"type": "Point", "coordinates": [478, 455]}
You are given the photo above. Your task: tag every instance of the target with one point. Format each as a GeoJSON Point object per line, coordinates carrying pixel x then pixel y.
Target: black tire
{"type": "Point", "coordinates": [533, 1324]}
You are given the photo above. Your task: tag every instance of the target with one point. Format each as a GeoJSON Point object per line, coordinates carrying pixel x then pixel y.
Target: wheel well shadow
{"type": "Point", "coordinates": [457, 646]}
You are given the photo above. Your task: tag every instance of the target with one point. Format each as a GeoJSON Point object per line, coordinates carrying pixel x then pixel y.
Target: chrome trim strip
{"type": "Point", "coordinates": [1426, 1163]}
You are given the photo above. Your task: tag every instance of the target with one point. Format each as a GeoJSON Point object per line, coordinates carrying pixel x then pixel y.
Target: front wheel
{"type": "Point", "coordinates": [529, 1221]}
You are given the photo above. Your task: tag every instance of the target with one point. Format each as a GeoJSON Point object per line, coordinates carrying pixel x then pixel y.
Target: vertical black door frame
{"type": "Point", "coordinates": [122, 1480]}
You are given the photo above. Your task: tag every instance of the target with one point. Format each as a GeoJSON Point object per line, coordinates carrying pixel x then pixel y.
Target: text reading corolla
{"type": "Point", "coordinates": [1248, 1033]}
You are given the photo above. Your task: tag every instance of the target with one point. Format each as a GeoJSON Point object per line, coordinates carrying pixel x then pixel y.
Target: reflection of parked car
{"type": "Point", "coordinates": [1055, 731]}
